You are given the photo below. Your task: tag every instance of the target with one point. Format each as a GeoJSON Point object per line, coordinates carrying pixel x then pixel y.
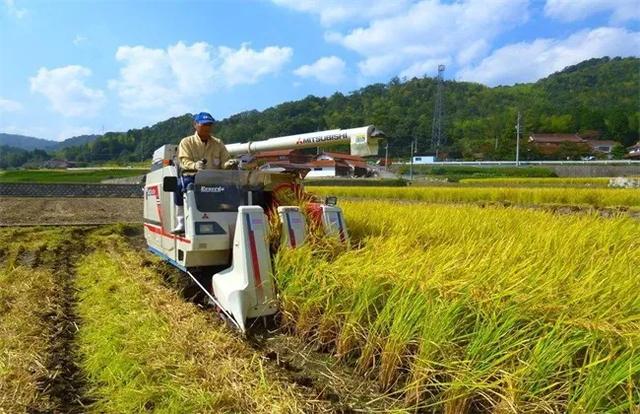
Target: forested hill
{"type": "Point", "coordinates": [598, 97]}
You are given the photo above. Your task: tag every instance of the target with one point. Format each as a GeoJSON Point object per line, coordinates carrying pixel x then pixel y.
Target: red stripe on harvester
{"type": "Point", "coordinates": [254, 260]}
{"type": "Point", "coordinates": [156, 193]}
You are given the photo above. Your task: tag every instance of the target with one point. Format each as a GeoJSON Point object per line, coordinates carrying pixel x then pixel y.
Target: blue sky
{"type": "Point", "coordinates": [77, 67]}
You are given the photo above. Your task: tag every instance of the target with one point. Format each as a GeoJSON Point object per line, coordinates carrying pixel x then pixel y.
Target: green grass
{"type": "Point", "coordinates": [590, 197]}
{"type": "Point", "coordinates": [467, 309]}
{"type": "Point", "coordinates": [65, 176]}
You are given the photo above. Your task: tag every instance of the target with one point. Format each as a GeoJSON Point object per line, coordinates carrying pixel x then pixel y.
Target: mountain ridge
{"type": "Point", "coordinates": [599, 96]}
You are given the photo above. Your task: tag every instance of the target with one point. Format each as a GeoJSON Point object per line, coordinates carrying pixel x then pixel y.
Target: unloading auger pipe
{"type": "Point", "coordinates": [227, 314]}
{"type": "Point", "coordinates": [363, 141]}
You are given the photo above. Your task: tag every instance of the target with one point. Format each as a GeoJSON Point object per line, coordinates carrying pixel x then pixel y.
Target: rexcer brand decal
{"type": "Point", "coordinates": [322, 138]}
{"type": "Point", "coordinates": [211, 189]}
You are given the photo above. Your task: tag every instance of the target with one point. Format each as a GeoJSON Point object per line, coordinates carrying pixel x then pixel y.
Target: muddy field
{"type": "Point", "coordinates": [17, 211]}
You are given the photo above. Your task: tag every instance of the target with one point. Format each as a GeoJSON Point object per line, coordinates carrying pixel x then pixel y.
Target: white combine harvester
{"type": "Point", "coordinates": [224, 248]}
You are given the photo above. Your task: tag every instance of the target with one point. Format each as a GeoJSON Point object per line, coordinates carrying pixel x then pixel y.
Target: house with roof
{"type": "Point", "coordinates": [602, 146]}
{"type": "Point", "coordinates": [58, 164]}
{"type": "Point", "coordinates": [292, 156]}
{"type": "Point", "coordinates": [358, 167]}
{"type": "Point", "coordinates": [325, 164]}
{"type": "Point", "coordinates": [328, 168]}
{"type": "Point", "coordinates": [549, 144]}
{"type": "Point", "coordinates": [555, 139]}
{"type": "Point", "coordinates": [634, 152]}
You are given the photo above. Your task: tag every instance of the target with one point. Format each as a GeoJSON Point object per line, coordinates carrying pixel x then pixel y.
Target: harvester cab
{"type": "Point", "coordinates": [225, 248]}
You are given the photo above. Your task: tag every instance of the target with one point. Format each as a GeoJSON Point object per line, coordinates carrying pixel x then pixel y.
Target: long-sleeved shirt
{"type": "Point", "coordinates": [192, 149]}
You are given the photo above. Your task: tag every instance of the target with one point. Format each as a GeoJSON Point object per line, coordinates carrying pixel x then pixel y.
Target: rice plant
{"type": "Point", "coordinates": [538, 181]}
{"type": "Point", "coordinates": [467, 308]}
{"type": "Point", "coordinates": [589, 197]}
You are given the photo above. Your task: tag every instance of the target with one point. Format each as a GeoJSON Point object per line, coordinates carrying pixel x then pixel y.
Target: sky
{"type": "Point", "coordinates": [79, 67]}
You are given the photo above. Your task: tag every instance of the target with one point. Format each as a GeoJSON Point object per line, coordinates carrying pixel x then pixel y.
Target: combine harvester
{"type": "Point", "coordinates": [224, 248]}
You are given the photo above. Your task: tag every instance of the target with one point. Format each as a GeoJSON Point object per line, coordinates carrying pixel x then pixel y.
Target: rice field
{"type": "Point", "coordinates": [90, 323]}
{"type": "Point", "coordinates": [587, 197]}
{"type": "Point", "coordinates": [463, 309]}
{"type": "Point", "coordinates": [538, 181]}
{"type": "Point", "coordinates": [450, 303]}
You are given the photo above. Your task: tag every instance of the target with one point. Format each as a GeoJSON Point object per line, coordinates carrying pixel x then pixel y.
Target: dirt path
{"type": "Point", "coordinates": [16, 211]}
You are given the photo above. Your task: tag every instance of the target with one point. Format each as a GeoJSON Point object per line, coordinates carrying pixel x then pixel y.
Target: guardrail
{"type": "Point", "coordinates": [71, 190]}
{"type": "Point", "coordinates": [520, 163]}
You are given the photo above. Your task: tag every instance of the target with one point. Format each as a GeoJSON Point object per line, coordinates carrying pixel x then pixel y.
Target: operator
{"type": "Point", "coordinates": [197, 152]}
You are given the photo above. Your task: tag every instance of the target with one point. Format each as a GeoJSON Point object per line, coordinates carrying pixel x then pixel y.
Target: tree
{"type": "Point", "coordinates": [618, 152]}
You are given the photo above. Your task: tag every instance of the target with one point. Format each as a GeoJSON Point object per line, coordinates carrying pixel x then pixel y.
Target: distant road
{"type": "Point", "coordinates": [104, 168]}
{"type": "Point", "coordinates": [513, 163]}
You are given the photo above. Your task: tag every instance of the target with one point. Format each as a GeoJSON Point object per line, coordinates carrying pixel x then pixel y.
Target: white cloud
{"type": "Point", "coordinates": [573, 10]}
{"type": "Point", "coordinates": [167, 82]}
{"type": "Point", "coordinates": [247, 66]}
{"type": "Point", "coordinates": [66, 91]}
{"type": "Point", "coordinates": [147, 81]}
{"type": "Point", "coordinates": [525, 62]}
{"type": "Point", "coordinates": [332, 12]}
{"type": "Point", "coordinates": [14, 10]}
{"type": "Point", "coordinates": [429, 66]}
{"type": "Point", "coordinates": [7, 105]}
{"type": "Point", "coordinates": [431, 30]}
{"type": "Point", "coordinates": [328, 69]}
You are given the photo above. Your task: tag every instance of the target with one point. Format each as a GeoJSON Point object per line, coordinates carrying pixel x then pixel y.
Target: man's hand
{"type": "Point", "coordinates": [200, 165]}
{"type": "Point", "coordinates": [232, 164]}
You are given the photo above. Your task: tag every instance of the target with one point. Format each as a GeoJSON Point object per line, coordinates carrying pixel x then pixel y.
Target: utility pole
{"type": "Point", "coordinates": [411, 165]}
{"type": "Point", "coordinates": [386, 157]}
{"type": "Point", "coordinates": [437, 133]}
{"type": "Point", "coordinates": [518, 141]}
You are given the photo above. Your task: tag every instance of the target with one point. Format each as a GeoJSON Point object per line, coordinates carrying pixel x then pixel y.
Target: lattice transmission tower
{"type": "Point", "coordinates": [438, 137]}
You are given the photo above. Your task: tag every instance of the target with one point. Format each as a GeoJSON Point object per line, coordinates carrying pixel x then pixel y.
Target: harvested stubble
{"type": "Point", "coordinates": [23, 345]}
{"type": "Point", "coordinates": [27, 306]}
{"type": "Point", "coordinates": [594, 197]}
{"type": "Point", "coordinates": [146, 349]}
{"type": "Point", "coordinates": [478, 309]}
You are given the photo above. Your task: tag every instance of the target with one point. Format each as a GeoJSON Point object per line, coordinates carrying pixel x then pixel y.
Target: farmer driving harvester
{"type": "Point", "coordinates": [197, 152]}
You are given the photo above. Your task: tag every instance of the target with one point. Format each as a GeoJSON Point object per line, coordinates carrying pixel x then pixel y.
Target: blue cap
{"type": "Point", "coordinates": [203, 118]}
